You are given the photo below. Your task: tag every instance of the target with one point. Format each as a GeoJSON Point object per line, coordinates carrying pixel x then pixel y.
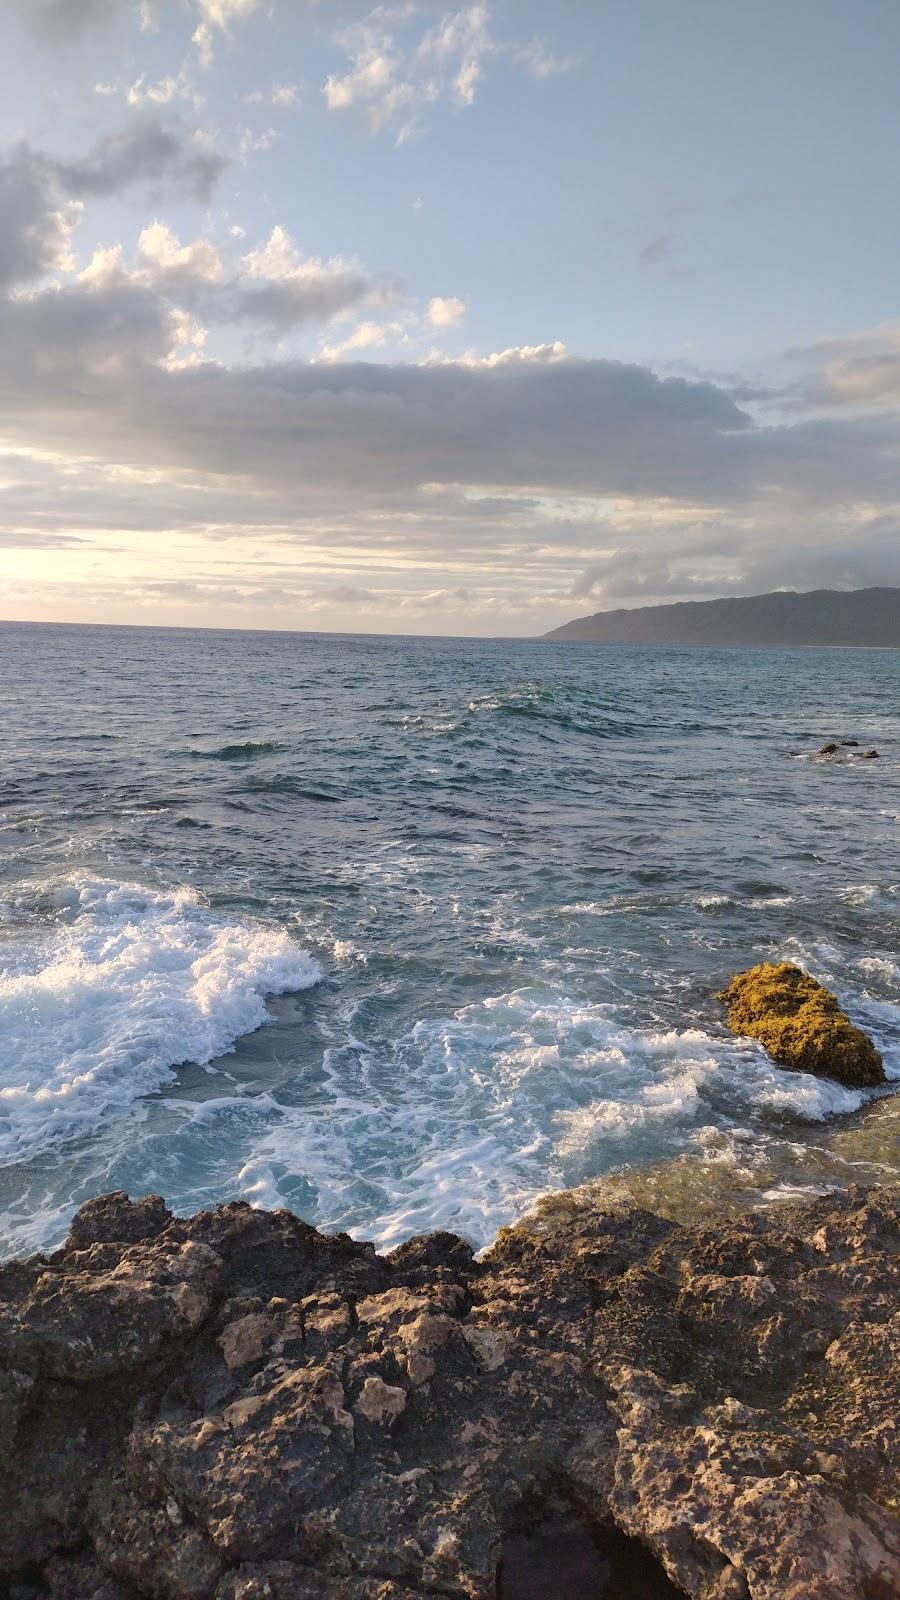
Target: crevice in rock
{"type": "Point", "coordinates": [563, 1555]}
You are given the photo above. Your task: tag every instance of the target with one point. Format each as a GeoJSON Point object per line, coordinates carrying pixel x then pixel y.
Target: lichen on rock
{"type": "Point", "coordinates": [801, 1024]}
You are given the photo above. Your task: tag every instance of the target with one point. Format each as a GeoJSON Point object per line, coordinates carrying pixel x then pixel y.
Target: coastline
{"type": "Point", "coordinates": [234, 1406]}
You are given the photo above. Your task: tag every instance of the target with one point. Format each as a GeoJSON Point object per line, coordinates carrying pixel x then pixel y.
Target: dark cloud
{"type": "Point", "coordinates": [66, 18]}
{"type": "Point", "coordinates": [67, 339]}
{"type": "Point", "coordinates": [657, 250]}
{"type": "Point", "coordinates": [35, 222]}
{"type": "Point", "coordinates": [39, 195]}
{"type": "Point", "coordinates": [373, 431]}
{"type": "Point", "coordinates": [29, 539]}
{"type": "Point", "coordinates": [149, 151]}
{"type": "Point", "coordinates": [282, 305]}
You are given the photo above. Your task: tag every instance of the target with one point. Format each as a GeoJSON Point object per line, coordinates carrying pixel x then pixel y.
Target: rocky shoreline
{"type": "Point", "coordinates": [235, 1407]}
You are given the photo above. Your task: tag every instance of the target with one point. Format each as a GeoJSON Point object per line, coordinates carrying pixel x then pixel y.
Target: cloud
{"type": "Point", "coordinates": [539, 61]}
{"type": "Point", "coordinates": [251, 143]}
{"type": "Point", "coordinates": [217, 14]}
{"type": "Point", "coordinates": [170, 266]}
{"type": "Point", "coordinates": [370, 79]}
{"type": "Point", "coordinates": [281, 96]}
{"type": "Point", "coordinates": [92, 330]}
{"type": "Point", "coordinates": [518, 354]}
{"type": "Point", "coordinates": [156, 92]}
{"type": "Point", "coordinates": [365, 336]}
{"type": "Point", "coordinates": [858, 369]}
{"type": "Point", "coordinates": [573, 481]}
{"type": "Point", "coordinates": [38, 218]}
{"type": "Point", "coordinates": [27, 539]}
{"type": "Point", "coordinates": [67, 18]}
{"type": "Point", "coordinates": [281, 287]}
{"type": "Point", "coordinates": [366, 430]}
{"type": "Point", "coordinates": [446, 313]}
{"type": "Point", "coordinates": [40, 196]}
{"type": "Point", "coordinates": [148, 151]}
{"type": "Point", "coordinates": [396, 72]}
{"type": "Point", "coordinates": [274, 284]}
{"type": "Point", "coordinates": [656, 250]}
{"type": "Point", "coordinates": [221, 13]}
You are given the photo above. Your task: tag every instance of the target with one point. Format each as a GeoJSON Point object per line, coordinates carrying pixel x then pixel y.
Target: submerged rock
{"type": "Point", "coordinates": [869, 755]}
{"type": "Point", "coordinates": [829, 749]}
{"type": "Point", "coordinates": [234, 1407]}
{"type": "Point", "coordinates": [801, 1024]}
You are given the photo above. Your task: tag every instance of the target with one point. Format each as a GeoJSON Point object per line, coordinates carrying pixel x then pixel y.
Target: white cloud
{"type": "Point", "coordinates": [365, 336]}
{"type": "Point", "coordinates": [223, 12]}
{"type": "Point", "coordinates": [446, 312]}
{"type": "Point", "coordinates": [370, 77]}
{"type": "Point", "coordinates": [277, 258]}
{"type": "Point", "coordinates": [539, 61]}
{"type": "Point", "coordinates": [392, 76]}
{"type": "Point", "coordinates": [518, 355]}
{"type": "Point", "coordinates": [202, 37]}
{"type": "Point", "coordinates": [165, 261]}
{"type": "Point", "coordinates": [251, 143]}
{"type": "Point", "coordinates": [160, 91]}
{"type": "Point", "coordinates": [217, 14]}
{"type": "Point", "coordinates": [281, 96]}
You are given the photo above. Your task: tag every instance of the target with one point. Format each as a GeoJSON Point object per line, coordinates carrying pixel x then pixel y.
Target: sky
{"type": "Point", "coordinates": [424, 318]}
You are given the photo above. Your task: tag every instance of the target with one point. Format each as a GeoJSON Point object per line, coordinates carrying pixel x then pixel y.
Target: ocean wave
{"type": "Point", "coordinates": [471, 1116]}
{"type": "Point", "coordinates": [247, 751]}
{"type": "Point", "coordinates": [286, 783]}
{"type": "Point", "coordinates": [125, 984]}
{"type": "Point", "coordinates": [569, 709]}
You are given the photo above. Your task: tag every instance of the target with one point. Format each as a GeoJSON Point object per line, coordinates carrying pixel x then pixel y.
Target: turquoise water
{"type": "Point", "coordinates": [400, 933]}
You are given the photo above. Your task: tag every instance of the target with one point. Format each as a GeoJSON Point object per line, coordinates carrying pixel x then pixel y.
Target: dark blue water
{"type": "Point", "coordinates": [480, 894]}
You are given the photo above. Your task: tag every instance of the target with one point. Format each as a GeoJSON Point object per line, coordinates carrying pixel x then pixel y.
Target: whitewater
{"type": "Point", "coordinates": [400, 934]}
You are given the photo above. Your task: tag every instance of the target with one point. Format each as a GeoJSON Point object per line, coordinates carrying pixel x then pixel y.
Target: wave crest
{"type": "Point", "coordinates": [128, 983]}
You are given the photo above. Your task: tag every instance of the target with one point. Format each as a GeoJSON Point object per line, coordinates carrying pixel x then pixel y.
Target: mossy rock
{"type": "Point", "coordinates": [801, 1024]}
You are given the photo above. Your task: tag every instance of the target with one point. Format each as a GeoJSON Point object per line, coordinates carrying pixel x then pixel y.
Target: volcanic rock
{"type": "Point", "coordinates": [234, 1407]}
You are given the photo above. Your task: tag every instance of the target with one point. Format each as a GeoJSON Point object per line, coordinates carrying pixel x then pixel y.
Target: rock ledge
{"type": "Point", "coordinates": [234, 1407]}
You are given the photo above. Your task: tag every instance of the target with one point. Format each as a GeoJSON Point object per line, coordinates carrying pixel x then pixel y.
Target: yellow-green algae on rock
{"type": "Point", "coordinates": [801, 1024]}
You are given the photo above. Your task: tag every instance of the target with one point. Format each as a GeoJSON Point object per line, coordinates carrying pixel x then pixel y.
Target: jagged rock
{"type": "Point", "coordinates": [869, 755]}
{"type": "Point", "coordinates": [829, 749]}
{"type": "Point", "coordinates": [801, 1024]}
{"type": "Point", "coordinates": [233, 1407]}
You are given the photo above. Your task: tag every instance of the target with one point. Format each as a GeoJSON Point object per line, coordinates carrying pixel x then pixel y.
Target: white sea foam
{"type": "Point", "coordinates": [857, 894]}
{"type": "Point", "coordinates": [881, 967]}
{"type": "Point", "coordinates": [124, 983]}
{"type": "Point", "coordinates": [476, 1113]}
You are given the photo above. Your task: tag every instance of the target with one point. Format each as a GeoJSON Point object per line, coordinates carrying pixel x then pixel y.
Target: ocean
{"type": "Point", "coordinates": [402, 933]}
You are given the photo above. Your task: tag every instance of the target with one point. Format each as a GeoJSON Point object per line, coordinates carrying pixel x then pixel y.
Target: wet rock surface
{"type": "Point", "coordinates": [234, 1407]}
{"type": "Point", "coordinates": [801, 1024]}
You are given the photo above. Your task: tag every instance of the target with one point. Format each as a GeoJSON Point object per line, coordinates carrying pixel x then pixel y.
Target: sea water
{"type": "Point", "coordinates": [402, 933]}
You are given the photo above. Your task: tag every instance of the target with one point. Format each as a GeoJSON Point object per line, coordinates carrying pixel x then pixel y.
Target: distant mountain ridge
{"type": "Point", "coordinates": [820, 617]}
